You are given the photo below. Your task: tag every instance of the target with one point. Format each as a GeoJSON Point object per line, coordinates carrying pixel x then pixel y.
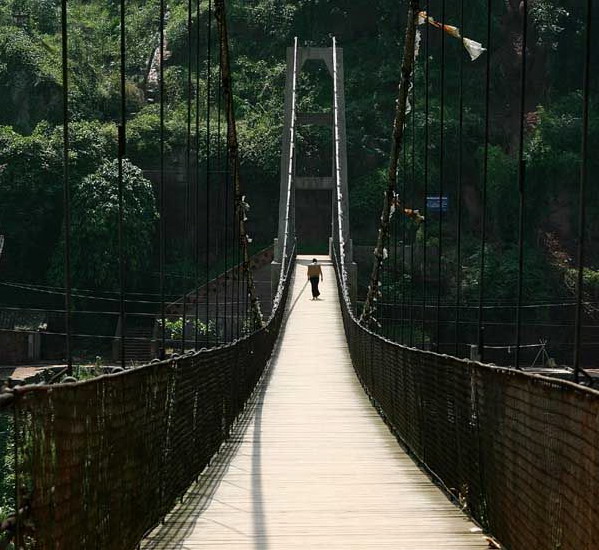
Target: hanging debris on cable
{"type": "Point", "coordinates": [242, 206]}
{"type": "Point", "coordinates": [475, 49]}
{"type": "Point", "coordinates": [391, 202]}
{"type": "Point", "coordinates": [410, 213]}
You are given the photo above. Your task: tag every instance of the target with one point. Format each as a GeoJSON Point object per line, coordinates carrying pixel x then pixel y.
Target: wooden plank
{"type": "Point", "coordinates": [311, 464]}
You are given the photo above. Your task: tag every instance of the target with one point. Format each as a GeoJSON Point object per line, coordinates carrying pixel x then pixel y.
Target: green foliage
{"type": "Point", "coordinates": [175, 85]}
{"type": "Point", "coordinates": [553, 150]}
{"type": "Point", "coordinates": [174, 327]}
{"type": "Point", "coordinates": [540, 282]}
{"type": "Point", "coordinates": [31, 190]}
{"type": "Point", "coordinates": [370, 34]}
{"type": "Point", "coordinates": [42, 15]}
{"type": "Point", "coordinates": [367, 195]}
{"type": "Point", "coordinates": [549, 21]}
{"type": "Point", "coordinates": [590, 280]}
{"type": "Point", "coordinates": [502, 194]}
{"type": "Point", "coordinates": [143, 136]}
{"type": "Point", "coordinates": [90, 144]}
{"type": "Point", "coordinates": [31, 185]}
{"type": "Point", "coordinates": [28, 83]}
{"type": "Point", "coordinates": [94, 223]}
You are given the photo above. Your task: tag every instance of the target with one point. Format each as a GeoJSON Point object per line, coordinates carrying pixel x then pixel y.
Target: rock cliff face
{"type": "Point", "coordinates": [29, 100]}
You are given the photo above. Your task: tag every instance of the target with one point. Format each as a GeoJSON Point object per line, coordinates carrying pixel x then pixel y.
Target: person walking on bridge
{"type": "Point", "coordinates": [314, 275]}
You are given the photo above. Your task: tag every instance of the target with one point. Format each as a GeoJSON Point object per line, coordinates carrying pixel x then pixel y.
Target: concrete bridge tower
{"type": "Point", "coordinates": [323, 186]}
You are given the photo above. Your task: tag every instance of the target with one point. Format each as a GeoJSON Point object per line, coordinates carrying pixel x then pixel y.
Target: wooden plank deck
{"type": "Point", "coordinates": [311, 464]}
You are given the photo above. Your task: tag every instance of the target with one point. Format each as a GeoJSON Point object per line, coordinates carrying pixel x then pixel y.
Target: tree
{"type": "Point", "coordinates": [30, 203]}
{"type": "Point", "coordinates": [31, 187]}
{"type": "Point", "coordinates": [94, 228]}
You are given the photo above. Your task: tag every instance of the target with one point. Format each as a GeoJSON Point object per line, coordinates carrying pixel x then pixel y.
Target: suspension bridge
{"type": "Point", "coordinates": [306, 426]}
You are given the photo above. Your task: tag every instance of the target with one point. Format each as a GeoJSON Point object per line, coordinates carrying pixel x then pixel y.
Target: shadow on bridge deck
{"type": "Point", "coordinates": [311, 464]}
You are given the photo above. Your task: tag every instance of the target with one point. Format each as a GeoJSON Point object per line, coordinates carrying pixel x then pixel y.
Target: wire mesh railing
{"type": "Point", "coordinates": [98, 463]}
{"type": "Point", "coordinates": [519, 452]}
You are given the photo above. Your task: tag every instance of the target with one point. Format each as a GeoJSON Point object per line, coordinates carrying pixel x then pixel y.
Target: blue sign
{"type": "Point", "coordinates": [437, 204]}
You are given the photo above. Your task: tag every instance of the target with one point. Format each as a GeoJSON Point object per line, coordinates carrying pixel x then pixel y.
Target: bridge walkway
{"type": "Point", "coordinates": [311, 464]}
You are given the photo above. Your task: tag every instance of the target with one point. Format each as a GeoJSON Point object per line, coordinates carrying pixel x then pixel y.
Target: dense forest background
{"type": "Point", "coordinates": [371, 33]}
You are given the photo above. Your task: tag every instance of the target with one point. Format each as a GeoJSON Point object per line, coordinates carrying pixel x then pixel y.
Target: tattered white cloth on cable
{"type": "Point", "coordinates": [475, 49]}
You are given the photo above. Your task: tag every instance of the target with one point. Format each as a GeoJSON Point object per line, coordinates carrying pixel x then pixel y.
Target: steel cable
{"type": "Point", "coordinates": [66, 185]}
{"type": "Point", "coordinates": [584, 174]}
{"type": "Point", "coordinates": [521, 181]}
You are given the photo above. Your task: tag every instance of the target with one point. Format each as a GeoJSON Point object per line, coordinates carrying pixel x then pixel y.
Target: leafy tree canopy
{"type": "Point", "coordinates": [94, 227]}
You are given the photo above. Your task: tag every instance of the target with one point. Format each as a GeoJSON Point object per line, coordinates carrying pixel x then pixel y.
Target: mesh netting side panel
{"type": "Point", "coordinates": [101, 462]}
{"type": "Point", "coordinates": [541, 460]}
{"type": "Point", "coordinates": [86, 450]}
{"type": "Point", "coordinates": [520, 452]}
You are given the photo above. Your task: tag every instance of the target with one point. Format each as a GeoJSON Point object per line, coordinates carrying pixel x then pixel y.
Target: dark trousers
{"type": "Point", "coordinates": [314, 282]}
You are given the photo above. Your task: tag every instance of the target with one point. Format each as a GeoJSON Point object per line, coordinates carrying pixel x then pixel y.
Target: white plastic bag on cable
{"type": "Point", "coordinates": [475, 49]}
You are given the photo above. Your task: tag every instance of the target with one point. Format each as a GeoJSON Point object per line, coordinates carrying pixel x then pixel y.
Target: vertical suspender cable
{"type": "Point", "coordinates": [250, 320]}
{"type": "Point", "coordinates": [208, 164]}
{"type": "Point", "coordinates": [384, 303]}
{"type": "Point", "coordinates": [197, 186]}
{"type": "Point", "coordinates": [521, 183]}
{"type": "Point", "coordinates": [402, 225]}
{"type": "Point", "coordinates": [441, 182]}
{"type": "Point", "coordinates": [187, 168]}
{"type": "Point", "coordinates": [483, 232]}
{"type": "Point", "coordinates": [413, 200]}
{"type": "Point", "coordinates": [162, 188]}
{"type": "Point", "coordinates": [458, 273]}
{"type": "Point", "coordinates": [222, 181]}
{"type": "Point", "coordinates": [228, 224]}
{"type": "Point", "coordinates": [237, 262]}
{"type": "Point", "coordinates": [122, 137]}
{"type": "Point", "coordinates": [239, 270]}
{"type": "Point", "coordinates": [584, 174]}
{"type": "Point", "coordinates": [66, 189]}
{"type": "Point", "coordinates": [425, 209]}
